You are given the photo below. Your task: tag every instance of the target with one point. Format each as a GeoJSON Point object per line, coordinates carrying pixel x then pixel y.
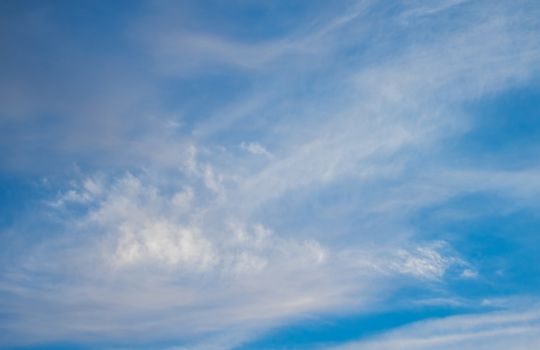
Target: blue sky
{"type": "Point", "coordinates": [270, 175]}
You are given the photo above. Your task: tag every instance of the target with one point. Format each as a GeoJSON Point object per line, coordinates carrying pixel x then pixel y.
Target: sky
{"type": "Point", "coordinates": [245, 175]}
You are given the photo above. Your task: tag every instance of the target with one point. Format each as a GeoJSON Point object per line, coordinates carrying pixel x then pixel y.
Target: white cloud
{"type": "Point", "coordinates": [180, 51]}
{"type": "Point", "coordinates": [431, 8]}
{"type": "Point", "coordinates": [256, 149]}
{"type": "Point", "coordinates": [468, 273]}
{"type": "Point", "coordinates": [425, 261]}
{"type": "Point", "coordinates": [148, 251]}
{"type": "Point", "coordinates": [517, 329]}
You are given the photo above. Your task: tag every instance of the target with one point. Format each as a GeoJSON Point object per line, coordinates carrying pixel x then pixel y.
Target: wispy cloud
{"type": "Point", "coordinates": [518, 329]}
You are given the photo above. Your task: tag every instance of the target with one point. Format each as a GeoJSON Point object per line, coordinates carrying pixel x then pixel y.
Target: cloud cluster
{"type": "Point", "coordinates": [147, 251]}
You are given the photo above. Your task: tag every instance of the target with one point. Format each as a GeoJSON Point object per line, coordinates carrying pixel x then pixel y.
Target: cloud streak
{"type": "Point", "coordinates": [516, 329]}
